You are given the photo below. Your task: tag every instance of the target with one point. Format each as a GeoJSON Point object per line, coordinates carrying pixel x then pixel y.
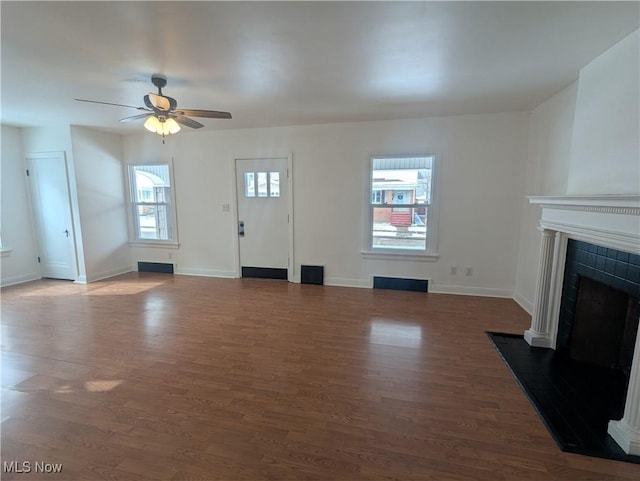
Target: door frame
{"type": "Point", "coordinates": [234, 192]}
{"type": "Point", "coordinates": [62, 155]}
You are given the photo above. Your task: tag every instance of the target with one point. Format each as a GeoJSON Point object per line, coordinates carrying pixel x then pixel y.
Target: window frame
{"type": "Point", "coordinates": [133, 205]}
{"type": "Point", "coordinates": [429, 254]}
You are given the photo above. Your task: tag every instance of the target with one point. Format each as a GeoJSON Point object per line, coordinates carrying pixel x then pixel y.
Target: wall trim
{"type": "Point", "coordinates": [21, 279]}
{"type": "Point", "coordinates": [523, 302]}
{"type": "Point", "coordinates": [345, 282]}
{"type": "Point", "coordinates": [106, 274]}
{"type": "Point", "coordinates": [205, 273]}
{"type": "Point", "coordinates": [470, 291]}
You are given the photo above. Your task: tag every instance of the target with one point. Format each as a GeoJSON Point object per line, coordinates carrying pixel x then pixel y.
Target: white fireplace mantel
{"type": "Point", "coordinates": [608, 220]}
{"type": "Point", "coordinates": [611, 221]}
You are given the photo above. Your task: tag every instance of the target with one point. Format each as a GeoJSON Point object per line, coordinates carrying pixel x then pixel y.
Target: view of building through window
{"type": "Point", "coordinates": [400, 200]}
{"type": "Point", "coordinates": [266, 188]}
{"type": "Point", "coordinates": [151, 195]}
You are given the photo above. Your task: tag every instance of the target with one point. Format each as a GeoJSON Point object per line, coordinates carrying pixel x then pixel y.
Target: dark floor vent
{"type": "Point", "coordinates": [280, 274]}
{"type": "Point", "coordinates": [398, 284]}
{"type": "Point", "coordinates": [312, 275]}
{"type": "Point", "coordinates": [155, 267]}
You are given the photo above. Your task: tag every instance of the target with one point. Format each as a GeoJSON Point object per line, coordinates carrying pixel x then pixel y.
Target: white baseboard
{"type": "Point", "coordinates": [12, 281]}
{"type": "Point", "coordinates": [206, 273]}
{"type": "Point", "coordinates": [344, 282]}
{"type": "Point", "coordinates": [523, 302]}
{"type": "Point", "coordinates": [106, 274]}
{"type": "Point", "coordinates": [470, 291]}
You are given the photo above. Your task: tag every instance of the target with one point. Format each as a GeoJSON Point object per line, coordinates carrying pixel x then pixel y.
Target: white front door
{"type": "Point", "coordinates": [49, 184]}
{"type": "Point", "coordinates": [263, 217]}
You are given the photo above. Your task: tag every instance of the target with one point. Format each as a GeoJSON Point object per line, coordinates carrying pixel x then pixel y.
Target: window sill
{"type": "Point", "coordinates": [399, 256]}
{"type": "Point", "coordinates": [156, 245]}
{"type": "Point", "coordinates": [5, 252]}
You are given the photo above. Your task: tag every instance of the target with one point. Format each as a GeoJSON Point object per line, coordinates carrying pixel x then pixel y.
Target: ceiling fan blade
{"type": "Point", "coordinates": [110, 103]}
{"type": "Point", "coordinates": [136, 117]}
{"type": "Point", "coordinates": [187, 122]}
{"type": "Point", "coordinates": [211, 114]}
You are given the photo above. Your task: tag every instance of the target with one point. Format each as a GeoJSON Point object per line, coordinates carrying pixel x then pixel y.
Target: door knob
{"type": "Point", "coordinates": [66, 231]}
{"type": "Point", "coordinates": [241, 228]}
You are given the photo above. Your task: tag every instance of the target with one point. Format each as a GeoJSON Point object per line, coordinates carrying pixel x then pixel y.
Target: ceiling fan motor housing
{"type": "Point", "coordinates": [159, 81]}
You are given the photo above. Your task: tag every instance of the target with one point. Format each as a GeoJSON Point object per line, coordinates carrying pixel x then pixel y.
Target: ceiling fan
{"type": "Point", "coordinates": [161, 112]}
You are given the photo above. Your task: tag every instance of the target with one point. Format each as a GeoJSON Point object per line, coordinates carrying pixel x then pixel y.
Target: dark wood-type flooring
{"type": "Point", "coordinates": [160, 377]}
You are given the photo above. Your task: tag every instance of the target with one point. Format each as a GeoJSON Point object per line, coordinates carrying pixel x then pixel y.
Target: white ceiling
{"type": "Point", "coordinates": [284, 63]}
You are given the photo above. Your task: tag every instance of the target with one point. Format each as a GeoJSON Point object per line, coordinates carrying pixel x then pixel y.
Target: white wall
{"type": "Point", "coordinates": [18, 263]}
{"type": "Point", "coordinates": [605, 156]}
{"type": "Point", "coordinates": [547, 173]}
{"type": "Point", "coordinates": [101, 199]}
{"type": "Point", "coordinates": [584, 140]}
{"type": "Point", "coordinates": [482, 161]}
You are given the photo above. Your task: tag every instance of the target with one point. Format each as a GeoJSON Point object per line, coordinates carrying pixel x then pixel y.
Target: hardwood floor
{"type": "Point", "coordinates": [153, 376]}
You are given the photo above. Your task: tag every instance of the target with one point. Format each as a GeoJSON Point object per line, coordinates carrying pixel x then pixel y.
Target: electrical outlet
{"type": "Point", "coordinates": [469, 271]}
{"type": "Point", "coordinates": [170, 255]}
{"type": "Point", "coordinates": [454, 270]}
{"type": "Point", "coordinates": [226, 207]}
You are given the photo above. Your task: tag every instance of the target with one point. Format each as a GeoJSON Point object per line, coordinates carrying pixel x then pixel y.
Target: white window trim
{"type": "Point", "coordinates": [4, 250]}
{"type": "Point", "coordinates": [172, 243]}
{"type": "Point", "coordinates": [429, 255]}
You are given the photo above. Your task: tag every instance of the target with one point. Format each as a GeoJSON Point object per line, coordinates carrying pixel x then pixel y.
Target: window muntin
{"type": "Point", "coordinates": [401, 198]}
{"type": "Point", "coordinates": [151, 202]}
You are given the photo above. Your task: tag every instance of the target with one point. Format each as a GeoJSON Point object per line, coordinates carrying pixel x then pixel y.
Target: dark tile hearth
{"type": "Point", "coordinates": [575, 400]}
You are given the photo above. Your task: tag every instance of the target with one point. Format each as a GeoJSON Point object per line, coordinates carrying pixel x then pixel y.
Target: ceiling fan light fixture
{"type": "Point", "coordinates": [172, 125]}
{"type": "Point", "coordinates": [161, 126]}
{"type": "Point", "coordinates": [152, 124]}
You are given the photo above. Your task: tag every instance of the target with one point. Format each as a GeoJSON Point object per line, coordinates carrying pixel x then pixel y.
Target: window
{"type": "Point", "coordinates": [152, 202]}
{"type": "Point", "coordinates": [249, 185]}
{"type": "Point", "coordinates": [377, 197]}
{"type": "Point", "coordinates": [401, 206]}
{"type": "Point", "coordinates": [268, 184]}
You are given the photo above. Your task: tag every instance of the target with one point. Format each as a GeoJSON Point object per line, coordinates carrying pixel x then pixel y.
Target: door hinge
{"type": "Point", "coordinates": [28, 173]}
{"type": "Point", "coordinates": [38, 259]}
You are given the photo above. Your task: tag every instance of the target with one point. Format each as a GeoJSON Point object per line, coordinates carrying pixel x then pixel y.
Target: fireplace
{"type": "Point", "coordinates": [587, 291]}
{"type": "Point", "coordinates": [598, 318]}
{"type": "Point", "coordinates": [604, 326]}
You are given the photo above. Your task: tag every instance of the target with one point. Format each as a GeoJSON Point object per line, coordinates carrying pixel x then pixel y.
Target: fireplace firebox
{"type": "Point", "coordinates": [599, 307]}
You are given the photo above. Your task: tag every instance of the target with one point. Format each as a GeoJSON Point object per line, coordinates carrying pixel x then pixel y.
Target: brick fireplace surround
{"type": "Point", "coordinates": [609, 221]}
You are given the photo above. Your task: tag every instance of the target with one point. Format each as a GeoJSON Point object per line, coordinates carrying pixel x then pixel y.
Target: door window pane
{"type": "Point", "coordinates": [249, 185]}
{"type": "Point", "coordinates": [262, 184]}
{"type": "Point", "coordinates": [274, 184]}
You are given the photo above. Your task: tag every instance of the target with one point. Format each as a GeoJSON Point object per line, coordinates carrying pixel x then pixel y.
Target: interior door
{"type": "Point", "coordinates": [263, 217]}
{"type": "Point", "coordinates": [49, 184]}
